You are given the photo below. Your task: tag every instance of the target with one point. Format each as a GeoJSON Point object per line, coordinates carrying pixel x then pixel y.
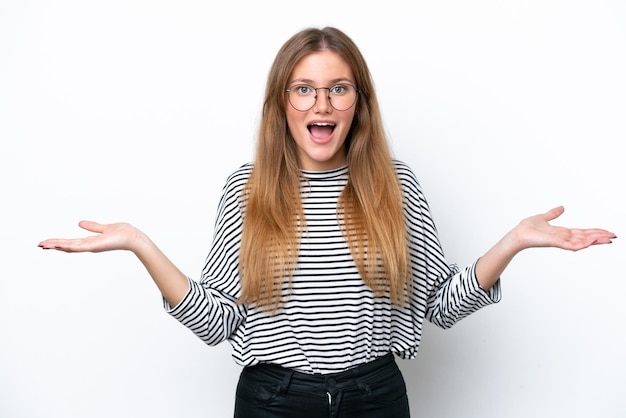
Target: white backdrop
{"type": "Point", "coordinates": [131, 110]}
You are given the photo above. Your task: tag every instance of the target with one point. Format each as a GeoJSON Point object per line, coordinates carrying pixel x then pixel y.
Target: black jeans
{"type": "Point", "coordinates": [372, 390]}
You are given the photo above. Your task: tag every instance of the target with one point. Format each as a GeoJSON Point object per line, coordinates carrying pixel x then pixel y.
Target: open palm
{"type": "Point", "coordinates": [116, 236]}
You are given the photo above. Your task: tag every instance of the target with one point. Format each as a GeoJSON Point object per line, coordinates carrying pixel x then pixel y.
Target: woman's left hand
{"type": "Point", "coordinates": [536, 231]}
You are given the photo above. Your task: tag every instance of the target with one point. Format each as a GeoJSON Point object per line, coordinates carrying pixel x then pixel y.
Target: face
{"type": "Point", "coordinates": [320, 132]}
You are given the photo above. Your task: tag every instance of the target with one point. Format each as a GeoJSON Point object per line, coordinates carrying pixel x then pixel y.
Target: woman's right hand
{"type": "Point", "coordinates": [116, 236]}
{"type": "Point", "coordinates": [172, 283]}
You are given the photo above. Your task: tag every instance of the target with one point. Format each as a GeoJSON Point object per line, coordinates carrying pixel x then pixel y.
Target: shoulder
{"type": "Point", "coordinates": [402, 168]}
{"type": "Point", "coordinates": [237, 179]}
{"type": "Point", "coordinates": [406, 176]}
{"type": "Point", "coordinates": [239, 175]}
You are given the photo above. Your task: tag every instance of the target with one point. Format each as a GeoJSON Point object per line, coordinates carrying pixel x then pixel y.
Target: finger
{"type": "Point", "coordinates": [593, 231]}
{"type": "Point", "coordinates": [601, 236]}
{"type": "Point", "coordinates": [553, 213]}
{"type": "Point", "coordinates": [57, 244]}
{"type": "Point", "coordinates": [91, 226]}
{"type": "Point", "coordinates": [46, 245]}
{"type": "Point", "coordinates": [583, 238]}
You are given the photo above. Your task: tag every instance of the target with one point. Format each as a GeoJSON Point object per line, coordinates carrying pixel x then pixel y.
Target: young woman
{"type": "Point", "coordinates": [325, 260]}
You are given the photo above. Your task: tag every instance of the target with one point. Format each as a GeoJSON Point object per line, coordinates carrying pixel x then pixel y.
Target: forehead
{"type": "Point", "coordinates": [321, 67]}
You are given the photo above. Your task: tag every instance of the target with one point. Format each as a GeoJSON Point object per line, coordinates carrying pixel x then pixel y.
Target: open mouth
{"type": "Point", "coordinates": [321, 130]}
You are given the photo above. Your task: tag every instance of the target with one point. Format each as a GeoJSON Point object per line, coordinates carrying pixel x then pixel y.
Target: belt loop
{"type": "Point", "coordinates": [355, 372]}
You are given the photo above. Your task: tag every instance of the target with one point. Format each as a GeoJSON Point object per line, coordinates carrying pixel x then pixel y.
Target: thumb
{"type": "Point", "coordinates": [553, 213]}
{"type": "Point", "coordinates": [91, 226]}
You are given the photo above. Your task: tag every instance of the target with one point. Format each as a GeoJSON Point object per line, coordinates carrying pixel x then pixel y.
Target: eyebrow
{"type": "Point", "coordinates": [311, 82]}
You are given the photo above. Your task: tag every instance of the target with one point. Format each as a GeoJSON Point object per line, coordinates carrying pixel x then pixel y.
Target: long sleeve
{"type": "Point", "coordinates": [210, 309]}
{"type": "Point", "coordinates": [442, 293]}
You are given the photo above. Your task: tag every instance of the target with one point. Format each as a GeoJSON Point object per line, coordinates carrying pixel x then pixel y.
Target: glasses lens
{"type": "Point", "coordinates": [303, 97]}
{"type": "Point", "coordinates": [342, 96]}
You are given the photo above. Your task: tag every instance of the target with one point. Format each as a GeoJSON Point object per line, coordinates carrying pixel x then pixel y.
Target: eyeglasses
{"type": "Point", "coordinates": [302, 97]}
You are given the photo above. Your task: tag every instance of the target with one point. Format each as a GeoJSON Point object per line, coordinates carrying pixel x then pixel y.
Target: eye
{"type": "Point", "coordinates": [339, 89]}
{"type": "Point", "coordinates": [303, 90]}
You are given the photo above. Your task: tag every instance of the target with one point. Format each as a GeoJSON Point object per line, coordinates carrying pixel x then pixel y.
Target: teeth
{"type": "Point", "coordinates": [323, 124]}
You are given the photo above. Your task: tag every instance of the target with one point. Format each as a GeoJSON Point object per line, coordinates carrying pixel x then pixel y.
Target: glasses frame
{"type": "Point", "coordinates": [330, 101]}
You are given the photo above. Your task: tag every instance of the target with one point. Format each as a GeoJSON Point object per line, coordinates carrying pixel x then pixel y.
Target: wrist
{"type": "Point", "coordinates": [137, 241]}
{"type": "Point", "coordinates": [512, 242]}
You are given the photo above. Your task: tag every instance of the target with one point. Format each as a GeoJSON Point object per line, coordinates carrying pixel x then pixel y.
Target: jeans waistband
{"type": "Point", "coordinates": [282, 388]}
{"type": "Point", "coordinates": [349, 374]}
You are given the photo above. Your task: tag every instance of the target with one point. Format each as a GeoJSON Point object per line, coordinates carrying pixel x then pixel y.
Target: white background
{"type": "Point", "coordinates": [138, 110]}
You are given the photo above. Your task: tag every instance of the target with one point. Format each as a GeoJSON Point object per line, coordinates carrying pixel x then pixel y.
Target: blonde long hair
{"type": "Point", "coordinates": [370, 208]}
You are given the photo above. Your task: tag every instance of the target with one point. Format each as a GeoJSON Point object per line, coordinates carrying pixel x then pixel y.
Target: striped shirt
{"type": "Point", "coordinates": [330, 320]}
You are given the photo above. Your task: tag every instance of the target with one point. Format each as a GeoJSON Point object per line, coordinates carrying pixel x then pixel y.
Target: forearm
{"type": "Point", "coordinates": [492, 264]}
{"type": "Point", "coordinates": [172, 283]}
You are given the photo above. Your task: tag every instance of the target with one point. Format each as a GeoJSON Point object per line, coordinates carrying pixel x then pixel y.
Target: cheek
{"type": "Point", "coordinates": [295, 121]}
{"type": "Point", "coordinates": [350, 120]}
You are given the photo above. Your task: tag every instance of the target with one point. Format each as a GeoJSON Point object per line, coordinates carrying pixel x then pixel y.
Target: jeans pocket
{"type": "Point", "coordinates": [255, 389]}
{"type": "Point", "coordinates": [265, 394]}
{"type": "Point", "coordinates": [388, 391]}
{"type": "Point", "coordinates": [257, 394]}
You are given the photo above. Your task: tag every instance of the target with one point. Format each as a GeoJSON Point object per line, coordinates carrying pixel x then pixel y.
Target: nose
{"type": "Point", "coordinates": [322, 101]}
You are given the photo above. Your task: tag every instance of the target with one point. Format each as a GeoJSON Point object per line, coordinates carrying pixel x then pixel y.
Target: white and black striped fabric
{"type": "Point", "coordinates": [330, 320]}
